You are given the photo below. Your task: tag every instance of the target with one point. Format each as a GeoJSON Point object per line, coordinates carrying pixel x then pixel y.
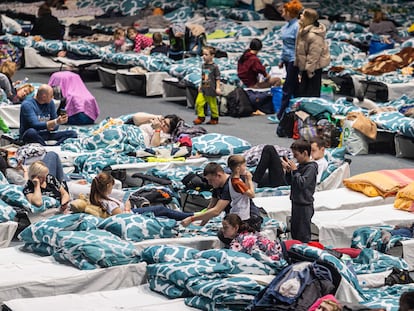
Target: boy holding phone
{"type": "Point", "coordinates": [303, 184]}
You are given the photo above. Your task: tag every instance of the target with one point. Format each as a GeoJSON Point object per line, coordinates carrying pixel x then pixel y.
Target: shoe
{"type": "Point", "coordinates": [213, 121]}
{"type": "Point", "coordinates": [199, 120]}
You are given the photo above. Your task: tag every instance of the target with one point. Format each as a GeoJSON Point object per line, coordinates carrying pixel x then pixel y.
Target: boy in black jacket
{"type": "Point", "coordinates": [303, 183]}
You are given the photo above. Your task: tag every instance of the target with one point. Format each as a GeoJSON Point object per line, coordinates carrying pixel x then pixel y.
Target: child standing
{"type": "Point", "coordinates": [141, 42]}
{"type": "Point", "coordinates": [303, 183]}
{"type": "Point", "coordinates": [209, 88]}
{"type": "Point", "coordinates": [241, 191]}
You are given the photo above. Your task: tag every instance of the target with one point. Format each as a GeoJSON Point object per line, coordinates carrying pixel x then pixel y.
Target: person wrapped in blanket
{"type": "Point", "coordinates": [41, 183]}
{"type": "Point", "coordinates": [156, 129]}
{"type": "Point", "coordinates": [246, 239]}
{"type": "Point", "coordinates": [100, 195]}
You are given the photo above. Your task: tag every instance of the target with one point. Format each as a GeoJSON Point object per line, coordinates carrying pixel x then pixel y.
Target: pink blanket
{"type": "Point", "coordinates": [78, 98]}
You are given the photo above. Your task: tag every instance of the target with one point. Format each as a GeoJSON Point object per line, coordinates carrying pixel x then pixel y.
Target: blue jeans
{"type": "Point", "coordinates": [162, 211]}
{"type": "Point", "coordinates": [35, 136]}
{"type": "Point", "coordinates": [53, 163]}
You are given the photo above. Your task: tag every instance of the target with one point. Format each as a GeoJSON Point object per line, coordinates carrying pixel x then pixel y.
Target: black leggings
{"type": "Point", "coordinates": [270, 162]}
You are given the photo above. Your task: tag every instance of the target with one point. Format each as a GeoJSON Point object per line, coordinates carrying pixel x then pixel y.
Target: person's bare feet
{"type": "Point", "coordinates": [258, 113]}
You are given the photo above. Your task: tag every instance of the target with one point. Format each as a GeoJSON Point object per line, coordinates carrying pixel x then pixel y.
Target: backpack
{"type": "Point", "coordinates": [196, 181]}
{"type": "Point", "coordinates": [153, 195]}
{"type": "Point", "coordinates": [238, 104]}
{"type": "Point", "coordinates": [261, 100]}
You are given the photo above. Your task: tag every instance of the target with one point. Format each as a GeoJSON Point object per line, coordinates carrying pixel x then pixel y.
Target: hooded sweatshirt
{"type": "Point", "coordinates": [312, 51]}
{"type": "Point", "coordinates": [248, 67]}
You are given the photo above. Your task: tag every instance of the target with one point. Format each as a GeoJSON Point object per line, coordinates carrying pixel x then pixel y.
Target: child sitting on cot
{"type": "Point", "coordinates": [141, 42]}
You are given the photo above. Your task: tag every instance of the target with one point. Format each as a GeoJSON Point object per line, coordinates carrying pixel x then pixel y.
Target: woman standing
{"type": "Point", "coordinates": [311, 54]}
{"type": "Point", "coordinates": [290, 13]}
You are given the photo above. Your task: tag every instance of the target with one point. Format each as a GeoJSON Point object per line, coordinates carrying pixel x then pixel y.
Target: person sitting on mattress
{"type": "Point", "coordinates": [156, 129]}
{"type": "Point", "coordinates": [100, 195]}
{"type": "Point", "coordinates": [39, 121]}
{"type": "Point", "coordinates": [247, 240]}
{"type": "Point", "coordinates": [41, 183]}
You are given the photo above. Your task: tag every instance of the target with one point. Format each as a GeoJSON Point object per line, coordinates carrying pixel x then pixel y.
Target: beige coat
{"type": "Point", "coordinates": [312, 51]}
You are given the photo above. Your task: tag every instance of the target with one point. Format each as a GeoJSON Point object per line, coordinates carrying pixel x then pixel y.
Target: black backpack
{"type": "Point", "coordinates": [153, 195]}
{"type": "Point", "coordinates": [196, 181]}
{"type": "Point", "coordinates": [238, 104]}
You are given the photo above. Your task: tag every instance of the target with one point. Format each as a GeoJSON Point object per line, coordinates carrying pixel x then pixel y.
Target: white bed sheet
{"type": "Point", "coordinates": [26, 275]}
{"type": "Point", "coordinates": [198, 242]}
{"type": "Point", "coordinates": [337, 227]}
{"type": "Point", "coordinates": [7, 230]}
{"type": "Point", "coordinates": [126, 81]}
{"type": "Point", "coordinates": [279, 207]}
{"type": "Point", "coordinates": [33, 59]}
{"type": "Point", "coordinates": [133, 298]}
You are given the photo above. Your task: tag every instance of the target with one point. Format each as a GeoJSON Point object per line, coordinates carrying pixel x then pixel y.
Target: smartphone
{"type": "Point", "coordinates": [62, 112]}
{"type": "Point", "coordinates": [285, 158]}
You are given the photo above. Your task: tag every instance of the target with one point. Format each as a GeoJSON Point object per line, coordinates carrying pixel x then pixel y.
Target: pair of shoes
{"type": "Point", "coordinates": [199, 120]}
{"type": "Point", "coordinates": [213, 121]}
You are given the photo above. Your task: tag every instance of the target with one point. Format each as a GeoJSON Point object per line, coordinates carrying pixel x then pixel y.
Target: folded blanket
{"type": "Point", "coordinates": [405, 198]}
{"type": "Point", "coordinates": [383, 183]}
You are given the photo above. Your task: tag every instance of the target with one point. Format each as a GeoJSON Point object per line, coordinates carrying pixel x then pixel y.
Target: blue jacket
{"type": "Point", "coordinates": [288, 36]}
{"type": "Point", "coordinates": [35, 115]}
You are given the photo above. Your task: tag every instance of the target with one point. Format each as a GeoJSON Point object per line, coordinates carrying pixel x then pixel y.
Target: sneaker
{"type": "Point", "coordinates": [199, 120]}
{"type": "Point", "coordinates": [213, 121]}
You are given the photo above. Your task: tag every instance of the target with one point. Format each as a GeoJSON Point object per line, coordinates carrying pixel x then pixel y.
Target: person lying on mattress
{"type": "Point", "coordinates": [101, 190]}
{"type": "Point", "coordinates": [39, 121]}
{"type": "Point", "coordinates": [270, 171]}
{"type": "Point", "coordinates": [41, 183]}
{"type": "Point", "coordinates": [156, 129]}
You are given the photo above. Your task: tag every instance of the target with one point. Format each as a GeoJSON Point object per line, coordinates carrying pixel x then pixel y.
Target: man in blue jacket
{"type": "Point", "coordinates": [39, 121]}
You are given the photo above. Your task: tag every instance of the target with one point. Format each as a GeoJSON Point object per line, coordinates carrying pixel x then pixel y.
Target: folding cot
{"type": "Point", "coordinates": [7, 230]}
{"type": "Point", "coordinates": [132, 298]}
{"type": "Point", "coordinates": [279, 207]}
{"type": "Point", "coordinates": [124, 80]}
{"type": "Point", "coordinates": [26, 275]}
{"type": "Point", "coordinates": [335, 228]}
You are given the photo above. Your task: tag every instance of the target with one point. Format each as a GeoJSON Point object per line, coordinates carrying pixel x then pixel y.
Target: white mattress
{"type": "Point", "coordinates": [33, 59]}
{"type": "Point", "coordinates": [126, 81]}
{"type": "Point", "coordinates": [25, 275]}
{"type": "Point", "coordinates": [7, 230]}
{"type": "Point", "coordinates": [197, 242]}
{"type": "Point", "coordinates": [279, 207]}
{"type": "Point", "coordinates": [337, 227]}
{"type": "Point", "coordinates": [133, 298]}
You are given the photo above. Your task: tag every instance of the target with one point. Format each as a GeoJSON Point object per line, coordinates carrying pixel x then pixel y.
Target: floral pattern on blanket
{"type": "Point", "coordinates": [134, 227]}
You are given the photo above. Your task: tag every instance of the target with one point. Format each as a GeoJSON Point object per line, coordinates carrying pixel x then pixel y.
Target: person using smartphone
{"type": "Point", "coordinates": [41, 184]}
